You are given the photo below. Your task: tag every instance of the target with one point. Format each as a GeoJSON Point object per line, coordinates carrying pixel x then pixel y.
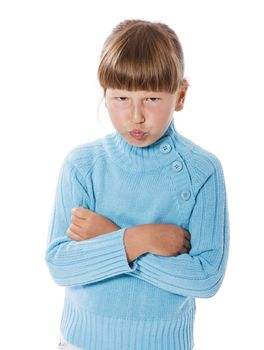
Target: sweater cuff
{"type": "Point", "coordinates": [75, 263]}
{"type": "Point", "coordinates": [109, 253]}
{"type": "Point", "coordinates": [118, 240]}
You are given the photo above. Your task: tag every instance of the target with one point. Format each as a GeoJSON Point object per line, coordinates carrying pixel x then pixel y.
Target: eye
{"type": "Point", "coordinates": [153, 99]}
{"type": "Point", "coordinates": [121, 98]}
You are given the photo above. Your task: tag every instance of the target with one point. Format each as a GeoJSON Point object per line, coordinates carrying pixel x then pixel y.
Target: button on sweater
{"type": "Point", "coordinates": [149, 303]}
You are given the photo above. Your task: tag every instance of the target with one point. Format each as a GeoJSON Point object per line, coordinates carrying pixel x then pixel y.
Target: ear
{"type": "Point", "coordinates": [181, 96]}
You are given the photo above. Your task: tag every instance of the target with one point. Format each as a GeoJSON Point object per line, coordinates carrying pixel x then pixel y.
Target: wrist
{"type": "Point", "coordinates": [136, 241]}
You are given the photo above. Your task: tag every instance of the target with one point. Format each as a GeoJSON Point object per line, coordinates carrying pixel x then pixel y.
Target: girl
{"type": "Point", "coordinates": [140, 223]}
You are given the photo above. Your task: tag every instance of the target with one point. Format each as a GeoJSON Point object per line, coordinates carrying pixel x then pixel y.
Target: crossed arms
{"type": "Point", "coordinates": [85, 247]}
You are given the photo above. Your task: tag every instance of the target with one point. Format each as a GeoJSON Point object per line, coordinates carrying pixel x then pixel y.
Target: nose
{"type": "Point", "coordinates": [137, 113]}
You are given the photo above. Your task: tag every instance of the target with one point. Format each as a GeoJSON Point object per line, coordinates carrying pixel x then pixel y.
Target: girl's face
{"type": "Point", "coordinates": [149, 112]}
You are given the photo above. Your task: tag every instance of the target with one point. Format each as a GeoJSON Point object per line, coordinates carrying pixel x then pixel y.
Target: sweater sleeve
{"type": "Point", "coordinates": [72, 262]}
{"type": "Point", "coordinates": [200, 272]}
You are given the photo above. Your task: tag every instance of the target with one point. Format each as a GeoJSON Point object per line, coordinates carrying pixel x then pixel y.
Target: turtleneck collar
{"type": "Point", "coordinates": [138, 159]}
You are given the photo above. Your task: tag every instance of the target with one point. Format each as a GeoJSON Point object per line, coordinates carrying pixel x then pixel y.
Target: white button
{"type": "Point", "coordinates": [165, 148]}
{"type": "Point", "coordinates": [177, 166]}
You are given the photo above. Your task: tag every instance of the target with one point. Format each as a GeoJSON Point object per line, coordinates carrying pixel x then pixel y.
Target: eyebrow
{"type": "Point", "coordinates": [127, 93]}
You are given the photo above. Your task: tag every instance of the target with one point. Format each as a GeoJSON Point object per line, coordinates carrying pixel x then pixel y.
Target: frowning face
{"type": "Point", "coordinates": [141, 117]}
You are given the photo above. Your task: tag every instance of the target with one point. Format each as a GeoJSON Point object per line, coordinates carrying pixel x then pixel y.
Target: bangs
{"type": "Point", "coordinates": [144, 61]}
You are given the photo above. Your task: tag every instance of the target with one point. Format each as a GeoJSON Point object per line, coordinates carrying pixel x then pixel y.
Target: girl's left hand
{"type": "Point", "coordinates": [87, 224]}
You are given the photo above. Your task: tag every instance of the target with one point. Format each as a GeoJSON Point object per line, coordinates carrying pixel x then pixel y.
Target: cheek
{"type": "Point", "coordinates": [117, 116]}
{"type": "Point", "coordinates": [117, 111]}
{"type": "Point", "coordinates": [163, 111]}
{"type": "Point", "coordinates": [110, 109]}
{"type": "Point", "coordinates": [169, 110]}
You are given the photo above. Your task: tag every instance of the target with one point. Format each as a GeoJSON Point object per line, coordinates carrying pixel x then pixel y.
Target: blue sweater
{"type": "Point", "coordinates": [149, 303]}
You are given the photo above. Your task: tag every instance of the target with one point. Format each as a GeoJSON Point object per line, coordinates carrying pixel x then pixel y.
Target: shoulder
{"type": "Point", "coordinates": [82, 157]}
{"type": "Point", "coordinates": [201, 163]}
{"type": "Point", "coordinates": [199, 157]}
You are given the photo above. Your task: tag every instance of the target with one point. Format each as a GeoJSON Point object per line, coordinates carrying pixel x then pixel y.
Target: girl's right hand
{"type": "Point", "coordinates": [168, 239]}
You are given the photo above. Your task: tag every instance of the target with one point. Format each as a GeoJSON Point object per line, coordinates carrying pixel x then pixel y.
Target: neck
{"type": "Point", "coordinates": [138, 159]}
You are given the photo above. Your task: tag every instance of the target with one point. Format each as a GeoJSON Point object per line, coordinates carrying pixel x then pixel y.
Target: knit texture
{"type": "Point", "coordinates": [111, 304]}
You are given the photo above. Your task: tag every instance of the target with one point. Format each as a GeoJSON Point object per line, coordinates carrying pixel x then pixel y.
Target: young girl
{"type": "Point", "coordinates": [140, 223]}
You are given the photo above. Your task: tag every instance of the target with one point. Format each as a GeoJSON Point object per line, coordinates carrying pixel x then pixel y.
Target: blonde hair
{"type": "Point", "coordinates": [142, 55]}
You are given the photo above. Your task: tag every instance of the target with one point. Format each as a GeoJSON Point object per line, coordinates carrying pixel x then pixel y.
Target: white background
{"type": "Point", "coordinates": [48, 104]}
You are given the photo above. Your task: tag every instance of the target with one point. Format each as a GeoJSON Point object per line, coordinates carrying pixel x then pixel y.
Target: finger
{"type": "Point", "coordinates": [77, 221]}
{"type": "Point", "coordinates": [187, 235]}
{"type": "Point", "coordinates": [73, 235]}
{"type": "Point", "coordinates": [76, 229]}
{"type": "Point", "coordinates": [188, 247]}
{"type": "Point", "coordinates": [187, 244]}
{"type": "Point", "coordinates": [184, 250]}
{"type": "Point", "coordinates": [80, 212]}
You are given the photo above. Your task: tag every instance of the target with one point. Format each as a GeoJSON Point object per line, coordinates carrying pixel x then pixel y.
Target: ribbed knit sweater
{"type": "Point", "coordinates": [149, 303]}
